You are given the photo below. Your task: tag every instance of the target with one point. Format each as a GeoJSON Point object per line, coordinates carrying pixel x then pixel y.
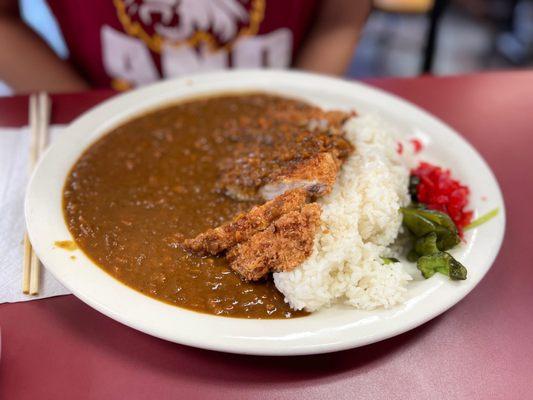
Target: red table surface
{"type": "Point", "coordinates": [482, 348]}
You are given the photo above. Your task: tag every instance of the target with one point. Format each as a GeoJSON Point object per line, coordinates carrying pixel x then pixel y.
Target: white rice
{"type": "Point", "coordinates": [360, 218]}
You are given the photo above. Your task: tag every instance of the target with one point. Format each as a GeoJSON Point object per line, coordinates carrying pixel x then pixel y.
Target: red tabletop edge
{"type": "Point", "coordinates": [59, 348]}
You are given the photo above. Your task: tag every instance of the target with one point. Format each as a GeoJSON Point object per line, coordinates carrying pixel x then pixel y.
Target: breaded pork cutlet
{"type": "Point", "coordinates": [277, 236]}
{"type": "Point", "coordinates": [316, 175]}
{"type": "Point", "coordinates": [284, 245]}
{"type": "Point", "coordinates": [270, 153]}
{"type": "Point", "coordinates": [244, 226]}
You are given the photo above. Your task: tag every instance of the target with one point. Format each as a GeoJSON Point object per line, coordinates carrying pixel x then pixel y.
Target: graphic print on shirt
{"type": "Point", "coordinates": [189, 36]}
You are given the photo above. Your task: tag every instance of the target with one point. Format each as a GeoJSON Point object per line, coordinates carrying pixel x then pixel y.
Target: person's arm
{"type": "Point", "coordinates": [331, 42]}
{"type": "Point", "coordinates": [26, 62]}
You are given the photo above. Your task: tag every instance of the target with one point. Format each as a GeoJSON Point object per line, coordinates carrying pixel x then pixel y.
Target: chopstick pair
{"type": "Point", "coordinates": [39, 116]}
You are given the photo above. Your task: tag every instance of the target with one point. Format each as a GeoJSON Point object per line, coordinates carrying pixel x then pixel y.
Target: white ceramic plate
{"type": "Point", "coordinates": [329, 330]}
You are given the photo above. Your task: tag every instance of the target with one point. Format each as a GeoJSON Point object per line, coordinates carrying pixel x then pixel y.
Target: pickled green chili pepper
{"type": "Point", "coordinates": [441, 262]}
{"type": "Point", "coordinates": [427, 245]}
{"type": "Point", "coordinates": [434, 232]}
{"type": "Point", "coordinates": [412, 256]}
{"type": "Point", "coordinates": [438, 218]}
{"type": "Point", "coordinates": [457, 270]}
{"type": "Point", "coordinates": [416, 223]}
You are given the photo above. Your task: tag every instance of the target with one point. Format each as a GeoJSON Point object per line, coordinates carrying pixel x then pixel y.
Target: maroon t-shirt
{"type": "Point", "coordinates": [125, 43]}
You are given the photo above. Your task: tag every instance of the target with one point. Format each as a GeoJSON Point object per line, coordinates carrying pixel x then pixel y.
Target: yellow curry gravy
{"type": "Point", "coordinates": [153, 177]}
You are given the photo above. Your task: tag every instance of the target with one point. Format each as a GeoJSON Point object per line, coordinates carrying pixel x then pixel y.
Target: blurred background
{"type": "Point", "coordinates": [406, 37]}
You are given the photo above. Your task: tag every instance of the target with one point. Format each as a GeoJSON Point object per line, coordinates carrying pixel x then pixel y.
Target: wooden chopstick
{"type": "Point", "coordinates": [43, 102]}
{"type": "Point", "coordinates": [26, 266]}
{"type": "Point", "coordinates": [39, 110]}
{"type": "Point", "coordinates": [26, 262]}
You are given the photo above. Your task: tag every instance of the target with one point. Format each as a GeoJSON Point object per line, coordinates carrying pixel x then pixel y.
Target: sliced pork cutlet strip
{"type": "Point", "coordinates": [316, 175]}
{"type": "Point", "coordinates": [244, 226]}
{"type": "Point", "coordinates": [283, 246]}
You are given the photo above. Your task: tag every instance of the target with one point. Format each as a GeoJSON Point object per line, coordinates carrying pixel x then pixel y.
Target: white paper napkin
{"type": "Point", "coordinates": [14, 173]}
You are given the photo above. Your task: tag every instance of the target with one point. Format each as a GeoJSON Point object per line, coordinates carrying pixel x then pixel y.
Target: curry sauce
{"type": "Point", "coordinates": [155, 177]}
